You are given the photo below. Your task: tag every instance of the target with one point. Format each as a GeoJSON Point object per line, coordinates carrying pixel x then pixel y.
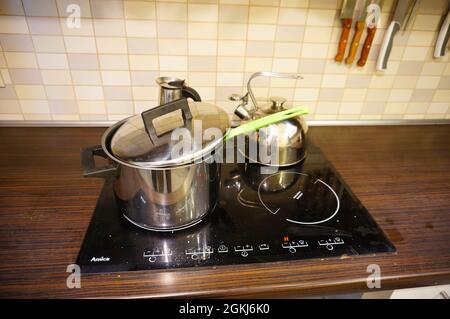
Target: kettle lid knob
{"type": "Point", "coordinates": [277, 101]}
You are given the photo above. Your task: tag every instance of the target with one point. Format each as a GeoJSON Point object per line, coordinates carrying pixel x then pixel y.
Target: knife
{"type": "Point", "coordinates": [346, 16]}
{"type": "Point", "coordinates": [442, 39]}
{"type": "Point", "coordinates": [374, 8]}
{"type": "Point", "coordinates": [398, 21]}
{"type": "Point", "coordinates": [359, 28]}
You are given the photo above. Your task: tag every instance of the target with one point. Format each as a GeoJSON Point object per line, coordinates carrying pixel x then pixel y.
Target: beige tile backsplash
{"type": "Point", "coordinates": [105, 69]}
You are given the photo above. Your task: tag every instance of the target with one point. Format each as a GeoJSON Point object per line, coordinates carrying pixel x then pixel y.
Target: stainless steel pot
{"type": "Point", "coordinates": [159, 199]}
{"type": "Point", "coordinates": [168, 198]}
{"type": "Point", "coordinates": [156, 188]}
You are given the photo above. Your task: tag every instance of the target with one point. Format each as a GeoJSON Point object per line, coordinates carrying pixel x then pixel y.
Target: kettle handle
{"type": "Point", "coordinates": [271, 75]}
{"type": "Point", "coordinates": [150, 115]}
{"type": "Point", "coordinates": [189, 92]}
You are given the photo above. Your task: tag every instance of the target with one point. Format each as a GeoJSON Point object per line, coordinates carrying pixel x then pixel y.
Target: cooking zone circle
{"type": "Point", "coordinates": [309, 198]}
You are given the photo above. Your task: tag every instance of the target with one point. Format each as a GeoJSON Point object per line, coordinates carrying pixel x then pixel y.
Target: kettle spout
{"type": "Point", "coordinates": [242, 112]}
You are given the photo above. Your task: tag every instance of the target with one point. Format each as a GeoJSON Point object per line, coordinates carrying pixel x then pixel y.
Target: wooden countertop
{"type": "Point", "coordinates": [400, 173]}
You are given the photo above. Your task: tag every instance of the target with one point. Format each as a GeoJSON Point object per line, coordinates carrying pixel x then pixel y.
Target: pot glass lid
{"type": "Point", "coordinates": [173, 140]}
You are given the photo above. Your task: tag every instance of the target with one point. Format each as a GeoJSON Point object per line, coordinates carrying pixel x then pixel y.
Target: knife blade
{"type": "Point", "coordinates": [443, 36]}
{"type": "Point", "coordinates": [374, 8]}
{"type": "Point", "coordinates": [346, 16]}
{"type": "Point", "coordinates": [359, 29]}
{"type": "Point", "coordinates": [411, 11]}
{"type": "Point", "coordinates": [398, 21]}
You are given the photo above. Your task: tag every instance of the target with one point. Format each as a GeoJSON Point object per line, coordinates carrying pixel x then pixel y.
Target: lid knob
{"type": "Point", "coordinates": [277, 102]}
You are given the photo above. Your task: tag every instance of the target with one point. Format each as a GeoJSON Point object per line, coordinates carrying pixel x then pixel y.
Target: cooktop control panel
{"type": "Point", "coordinates": [162, 254]}
{"type": "Point", "coordinates": [304, 211]}
{"type": "Point", "coordinates": [225, 251]}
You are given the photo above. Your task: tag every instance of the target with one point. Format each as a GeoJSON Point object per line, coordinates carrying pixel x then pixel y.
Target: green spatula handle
{"type": "Point", "coordinates": [265, 121]}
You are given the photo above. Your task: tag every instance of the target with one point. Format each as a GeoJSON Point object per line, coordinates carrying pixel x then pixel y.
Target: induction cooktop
{"type": "Point", "coordinates": [301, 212]}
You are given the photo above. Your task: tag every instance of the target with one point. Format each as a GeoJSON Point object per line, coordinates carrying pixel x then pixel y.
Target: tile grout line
{"type": "Point", "coordinates": [217, 54]}
{"type": "Point", "coordinates": [37, 67]}
{"type": "Point", "coordinates": [67, 59]}
{"type": "Point", "coordinates": [99, 65]}
{"type": "Point", "coordinates": [129, 59]}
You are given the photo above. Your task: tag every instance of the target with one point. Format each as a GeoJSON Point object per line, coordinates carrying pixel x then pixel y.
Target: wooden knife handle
{"type": "Point", "coordinates": [359, 28]}
{"type": "Point", "coordinates": [346, 26]}
{"type": "Point", "coordinates": [367, 45]}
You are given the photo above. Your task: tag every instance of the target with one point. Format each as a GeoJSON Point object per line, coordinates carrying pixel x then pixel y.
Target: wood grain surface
{"type": "Point", "coordinates": [400, 173]}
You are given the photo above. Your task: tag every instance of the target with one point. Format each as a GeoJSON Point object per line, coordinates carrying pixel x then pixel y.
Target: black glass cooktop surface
{"type": "Point", "coordinates": [305, 211]}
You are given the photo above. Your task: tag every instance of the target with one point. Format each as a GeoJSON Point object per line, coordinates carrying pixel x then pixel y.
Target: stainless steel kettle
{"type": "Point", "coordinates": [290, 134]}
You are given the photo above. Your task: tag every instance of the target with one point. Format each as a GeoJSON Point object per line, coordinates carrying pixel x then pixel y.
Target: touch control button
{"type": "Point", "coordinates": [200, 252]}
{"type": "Point", "coordinates": [153, 254]}
{"type": "Point", "coordinates": [293, 245]}
{"type": "Point", "coordinates": [222, 249]}
{"type": "Point", "coordinates": [264, 247]}
{"type": "Point", "coordinates": [331, 242]}
{"type": "Point", "coordinates": [243, 249]}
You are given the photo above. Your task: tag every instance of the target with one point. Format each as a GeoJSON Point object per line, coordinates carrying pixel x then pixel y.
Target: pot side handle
{"type": "Point", "coordinates": [88, 162]}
